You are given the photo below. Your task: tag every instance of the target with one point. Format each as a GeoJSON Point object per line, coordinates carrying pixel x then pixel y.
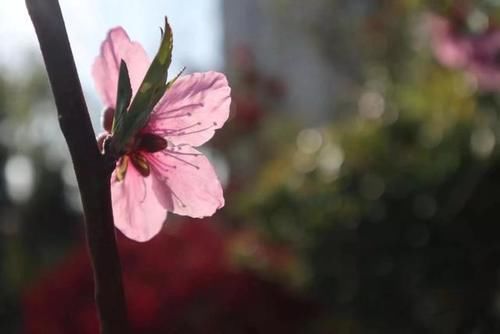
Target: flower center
{"type": "Point", "coordinates": [149, 142]}
{"type": "Point", "coordinates": [142, 143]}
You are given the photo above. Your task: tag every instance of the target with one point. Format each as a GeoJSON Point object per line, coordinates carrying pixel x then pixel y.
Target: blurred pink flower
{"type": "Point", "coordinates": [451, 48]}
{"type": "Point", "coordinates": [161, 170]}
{"type": "Point", "coordinates": [485, 62]}
{"type": "Point", "coordinates": [476, 53]}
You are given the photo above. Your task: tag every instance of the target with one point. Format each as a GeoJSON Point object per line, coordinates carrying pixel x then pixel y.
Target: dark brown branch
{"type": "Point", "coordinates": [90, 168]}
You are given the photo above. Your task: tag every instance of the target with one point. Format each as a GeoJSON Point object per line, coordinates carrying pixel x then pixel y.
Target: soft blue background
{"type": "Point", "coordinates": [197, 28]}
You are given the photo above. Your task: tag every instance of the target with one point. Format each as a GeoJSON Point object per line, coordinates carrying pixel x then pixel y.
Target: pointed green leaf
{"type": "Point", "coordinates": [149, 93]}
{"type": "Point", "coordinates": [123, 96]}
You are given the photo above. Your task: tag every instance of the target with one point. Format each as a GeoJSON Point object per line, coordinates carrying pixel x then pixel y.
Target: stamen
{"type": "Point", "coordinates": [170, 112]}
{"type": "Point", "coordinates": [182, 153]}
{"type": "Point", "coordinates": [168, 116]}
{"type": "Point", "coordinates": [173, 155]}
{"type": "Point", "coordinates": [190, 133]}
{"type": "Point", "coordinates": [158, 163]}
{"type": "Point", "coordinates": [140, 163]}
{"type": "Point", "coordinates": [121, 169]}
{"type": "Point", "coordinates": [182, 132]}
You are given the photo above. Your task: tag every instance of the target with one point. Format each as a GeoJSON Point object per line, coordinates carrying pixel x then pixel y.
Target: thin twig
{"type": "Point", "coordinates": [90, 167]}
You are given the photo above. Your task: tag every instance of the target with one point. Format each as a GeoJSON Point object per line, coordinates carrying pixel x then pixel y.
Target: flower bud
{"type": "Point", "coordinates": [107, 118]}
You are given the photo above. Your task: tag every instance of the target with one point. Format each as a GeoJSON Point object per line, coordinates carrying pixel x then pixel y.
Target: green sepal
{"type": "Point", "coordinates": [149, 93]}
{"type": "Point", "coordinates": [171, 82]}
{"type": "Point", "coordinates": [123, 96]}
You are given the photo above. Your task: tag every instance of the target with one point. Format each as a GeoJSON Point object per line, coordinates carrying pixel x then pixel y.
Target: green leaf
{"type": "Point", "coordinates": [123, 96]}
{"type": "Point", "coordinates": [149, 93]}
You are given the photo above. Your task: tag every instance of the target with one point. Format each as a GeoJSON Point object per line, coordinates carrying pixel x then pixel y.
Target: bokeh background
{"type": "Point", "coordinates": [361, 168]}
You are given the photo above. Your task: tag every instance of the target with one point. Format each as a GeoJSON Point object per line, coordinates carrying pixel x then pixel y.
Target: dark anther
{"type": "Point", "coordinates": [140, 163]}
{"type": "Point", "coordinates": [150, 142]}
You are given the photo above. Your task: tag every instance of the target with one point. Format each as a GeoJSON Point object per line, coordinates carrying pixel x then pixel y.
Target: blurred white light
{"type": "Point", "coordinates": [20, 176]}
{"type": "Point", "coordinates": [371, 105]}
{"type": "Point", "coordinates": [482, 142]}
{"type": "Point", "coordinates": [478, 21]}
{"type": "Point", "coordinates": [309, 141]}
{"type": "Point", "coordinates": [331, 158]}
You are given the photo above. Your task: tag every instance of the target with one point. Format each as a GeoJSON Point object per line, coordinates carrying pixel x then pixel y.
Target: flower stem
{"type": "Point", "coordinates": [90, 166]}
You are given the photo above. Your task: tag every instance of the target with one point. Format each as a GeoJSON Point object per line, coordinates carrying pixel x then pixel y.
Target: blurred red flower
{"type": "Point", "coordinates": [183, 281]}
{"type": "Point", "coordinates": [255, 91]}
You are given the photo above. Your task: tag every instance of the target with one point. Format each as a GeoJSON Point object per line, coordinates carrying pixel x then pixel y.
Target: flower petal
{"type": "Point", "coordinates": [105, 70]}
{"type": "Point", "coordinates": [185, 182]}
{"type": "Point", "coordinates": [192, 109]}
{"type": "Point", "coordinates": [136, 209]}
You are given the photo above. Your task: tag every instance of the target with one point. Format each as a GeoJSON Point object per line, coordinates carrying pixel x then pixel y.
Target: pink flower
{"type": "Point", "coordinates": [476, 53]}
{"type": "Point", "coordinates": [451, 47]}
{"type": "Point", "coordinates": [161, 169]}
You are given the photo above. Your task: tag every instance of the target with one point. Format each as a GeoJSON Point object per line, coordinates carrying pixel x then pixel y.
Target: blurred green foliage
{"type": "Point", "coordinates": [393, 207]}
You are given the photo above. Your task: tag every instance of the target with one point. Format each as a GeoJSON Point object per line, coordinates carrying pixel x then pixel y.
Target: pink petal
{"type": "Point", "coordinates": [192, 109]}
{"type": "Point", "coordinates": [187, 184]}
{"type": "Point", "coordinates": [105, 70]}
{"type": "Point", "coordinates": [136, 209]}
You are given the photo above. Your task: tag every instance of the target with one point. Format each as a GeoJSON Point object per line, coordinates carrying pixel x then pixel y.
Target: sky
{"type": "Point", "coordinates": [197, 26]}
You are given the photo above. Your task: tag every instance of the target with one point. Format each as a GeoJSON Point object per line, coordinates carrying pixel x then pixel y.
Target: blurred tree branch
{"type": "Point", "coordinates": [90, 166]}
